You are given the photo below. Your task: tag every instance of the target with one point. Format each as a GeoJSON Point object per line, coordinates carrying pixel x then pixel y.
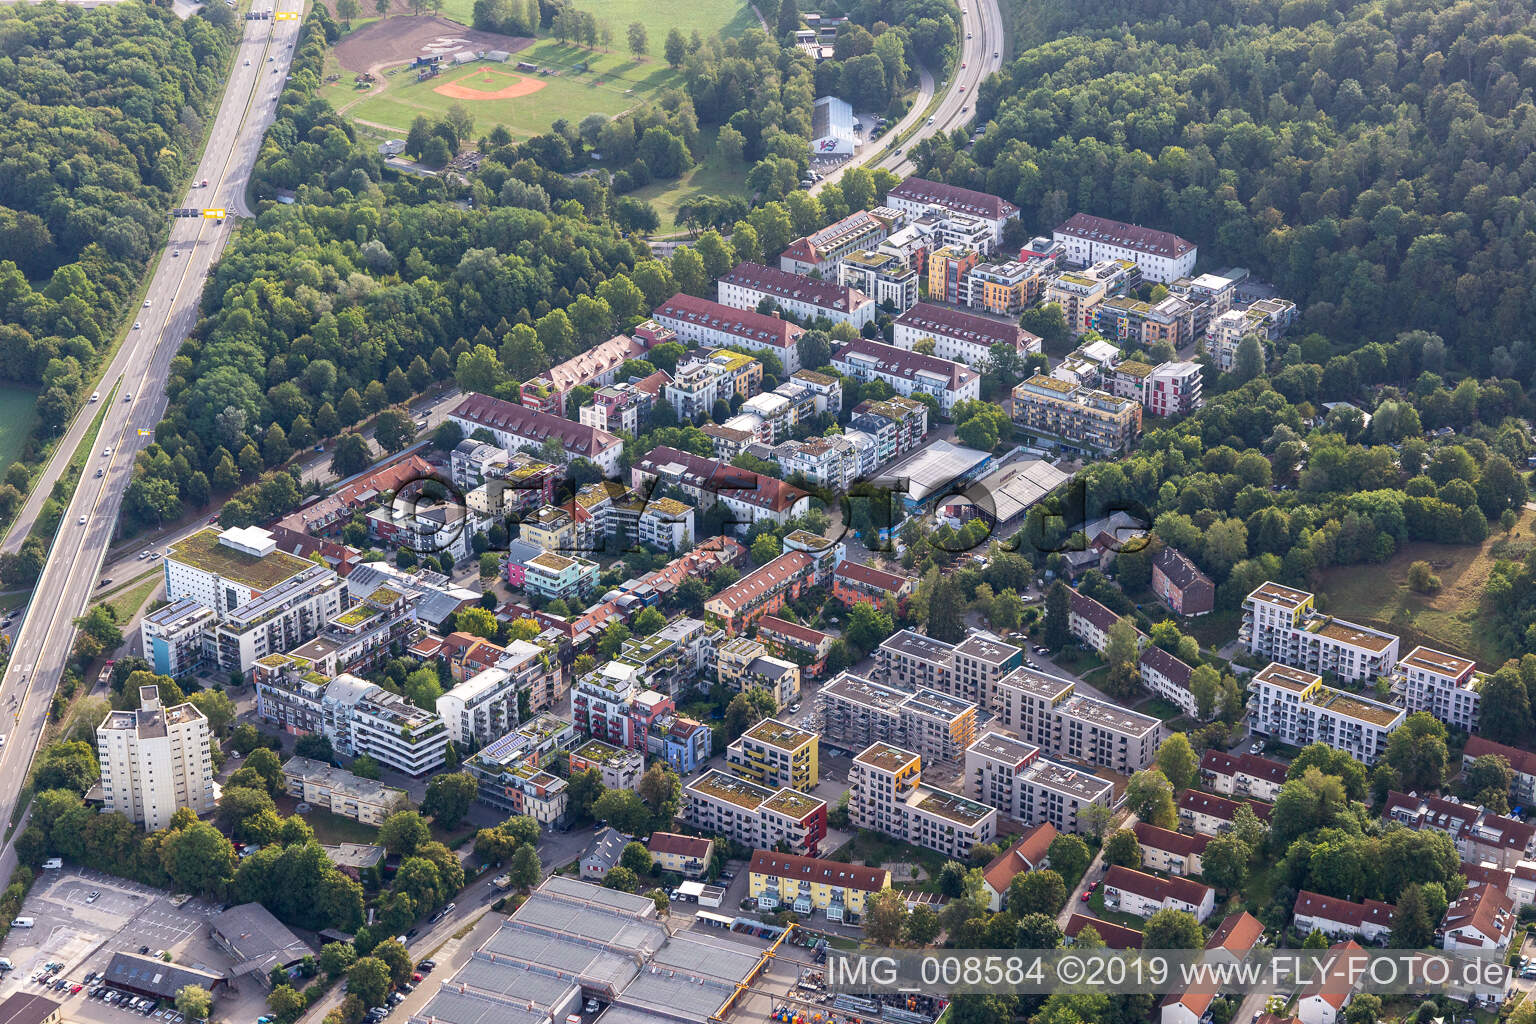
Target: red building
{"type": "Point", "coordinates": [853, 583]}
{"type": "Point", "coordinates": [794, 641]}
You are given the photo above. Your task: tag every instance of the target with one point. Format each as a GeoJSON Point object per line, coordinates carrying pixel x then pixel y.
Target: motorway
{"type": "Point", "coordinates": [980, 54]}
{"type": "Point", "coordinates": [139, 371]}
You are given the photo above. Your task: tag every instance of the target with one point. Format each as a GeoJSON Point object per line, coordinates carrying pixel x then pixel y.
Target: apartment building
{"type": "Point", "coordinates": [1129, 320]}
{"type": "Point", "coordinates": [612, 703]}
{"type": "Point", "coordinates": [883, 276]}
{"type": "Point", "coordinates": [172, 637]}
{"type": "Point", "coordinates": [593, 367]}
{"type": "Point", "coordinates": [742, 663]}
{"type": "Point", "coordinates": [917, 196]}
{"type": "Point", "coordinates": [1242, 775]}
{"type": "Point", "coordinates": [777, 755]}
{"type": "Point", "coordinates": [712, 324]}
{"type": "Point", "coordinates": [1089, 620]}
{"type": "Point", "coordinates": [1167, 389]}
{"type": "Point", "coordinates": [855, 582]}
{"type": "Point", "coordinates": [967, 670]}
{"type": "Point", "coordinates": [1293, 706]}
{"type": "Point", "coordinates": [886, 794]}
{"type": "Point", "coordinates": [623, 406]}
{"type": "Point", "coordinates": [754, 815]}
{"type": "Point", "coordinates": [908, 373]}
{"type": "Point", "coordinates": [1080, 292]}
{"type": "Point", "coordinates": [856, 712]}
{"type": "Point", "coordinates": [357, 716]}
{"type": "Point", "coordinates": [619, 767]}
{"type": "Point", "coordinates": [155, 761]}
{"type": "Point", "coordinates": [1160, 255]}
{"type": "Point", "coordinates": [1481, 836]}
{"type": "Point", "coordinates": [1180, 585]}
{"type": "Point", "coordinates": [1078, 419]}
{"type": "Point", "coordinates": [809, 299]}
{"type": "Point", "coordinates": [1030, 852]}
{"type": "Point", "coordinates": [1370, 920]}
{"type": "Point", "coordinates": [518, 428]}
{"type": "Point", "coordinates": [960, 336]}
{"type": "Point", "coordinates": [1142, 895]}
{"type": "Point", "coordinates": [831, 462]}
{"type": "Point", "coordinates": [667, 525]}
{"type": "Point", "coordinates": [807, 884]}
{"type": "Point", "coordinates": [1266, 319]}
{"type": "Point", "coordinates": [948, 267]}
{"type": "Point", "coordinates": [1009, 774]}
{"type": "Point", "coordinates": [1211, 815]}
{"type": "Point", "coordinates": [1209, 295]}
{"type": "Point", "coordinates": [689, 856]}
{"type": "Point", "coordinates": [748, 496]}
{"type": "Point", "coordinates": [1523, 789]}
{"type": "Point", "coordinates": [1231, 942]}
{"type": "Point", "coordinates": [821, 252]}
{"type": "Point", "coordinates": [1482, 919]}
{"type": "Point", "coordinates": [485, 706]}
{"type": "Point", "coordinates": [340, 792]}
{"type": "Point", "coordinates": [763, 591]}
{"type": "Point", "coordinates": [807, 647]}
{"type": "Point", "coordinates": [1046, 712]}
{"type": "Point", "coordinates": [1168, 677]}
{"type": "Point", "coordinates": [512, 773]}
{"type": "Point", "coordinates": [1447, 686]}
{"type": "Point", "coordinates": [1281, 623]}
{"type": "Point", "coordinates": [1173, 853]}
{"type": "Point", "coordinates": [699, 383]}
{"type": "Point", "coordinates": [555, 576]}
{"type": "Point", "coordinates": [898, 425]}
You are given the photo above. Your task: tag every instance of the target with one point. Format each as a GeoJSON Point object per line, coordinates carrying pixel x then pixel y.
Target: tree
{"type": "Point", "coordinates": [922, 926]}
{"type": "Point", "coordinates": [885, 916]}
{"type": "Point", "coordinates": [286, 1002]}
{"type": "Point", "coordinates": [624, 810]}
{"type": "Point", "coordinates": [398, 959]}
{"type": "Point", "coordinates": [1122, 848]}
{"type": "Point", "coordinates": [1172, 929]}
{"type": "Point", "coordinates": [336, 958]}
{"type": "Point", "coordinates": [1486, 782]}
{"type": "Point", "coordinates": [583, 791]}
{"type": "Point", "coordinates": [1069, 857]}
{"type": "Point", "coordinates": [1422, 579]}
{"type": "Point", "coordinates": [868, 625]}
{"type": "Point", "coordinates": [637, 40]}
{"type": "Point", "coordinates": [1224, 863]}
{"type": "Point", "coordinates": [194, 1002]}
{"type": "Point", "coordinates": [351, 454]}
{"type": "Point", "coordinates": [364, 766]}
{"type": "Point", "coordinates": [675, 48]}
{"type": "Point", "coordinates": [1121, 654]}
{"type": "Point", "coordinates": [1149, 795]}
{"type": "Point", "coordinates": [1417, 752]}
{"type": "Point", "coordinates": [622, 879]}
{"type": "Point", "coordinates": [636, 857]}
{"type": "Point", "coordinates": [394, 429]}
{"type": "Point", "coordinates": [403, 833]}
{"type": "Point", "coordinates": [448, 797]}
{"type": "Point", "coordinates": [525, 869]}
{"type": "Point", "coordinates": [66, 765]}
{"type": "Point", "coordinates": [216, 707]}
{"type": "Point", "coordinates": [1205, 686]}
{"type": "Point", "coordinates": [748, 708]}
{"type": "Point", "coordinates": [1036, 892]}
{"type": "Point", "coordinates": [1413, 927]}
{"type": "Point", "coordinates": [1178, 762]}
{"type": "Point", "coordinates": [369, 980]}
{"type": "Point", "coordinates": [1337, 763]}
{"type": "Point", "coordinates": [197, 858]}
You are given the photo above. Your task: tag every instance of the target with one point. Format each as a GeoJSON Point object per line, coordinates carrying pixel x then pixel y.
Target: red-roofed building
{"type": "Point", "coordinates": [805, 298]}
{"type": "Point", "coordinates": [964, 337]}
{"type": "Point", "coordinates": [1323, 1001]}
{"type": "Point", "coordinates": [713, 325]}
{"type": "Point", "coordinates": [1115, 936]}
{"type": "Point", "coordinates": [595, 367]}
{"type": "Point", "coordinates": [749, 496]}
{"type": "Point", "coordinates": [1482, 918]}
{"type": "Point", "coordinates": [330, 513]}
{"type": "Point", "coordinates": [1031, 852]}
{"type": "Point", "coordinates": [908, 373]}
{"type": "Point", "coordinates": [807, 884]}
{"type": "Point", "coordinates": [1175, 853]}
{"type": "Point", "coordinates": [783, 638]}
{"type": "Point", "coordinates": [516, 427]}
{"type": "Point", "coordinates": [1180, 584]}
{"type": "Point", "coordinates": [1242, 775]}
{"type": "Point", "coordinates": [1089, 621]}
{"type": "Point", "coordinates": [687, 855]}
{"type": "Point", "coordinates": [1160, 255]}
{"type": "Point", "coordinates": [821, 252]}
{"type": "Point", "coordinates": [1479, 834]}
{"type": "Point", "coordinates": [854, 582]}
{"type": "Point", "coordinates": [1141, 894]}
{"type": "Point", "coordinates": [1232, 941]}
{"type": "Point", "coordinates": [1340, 919]}
{"type": "Point", "coordinates": [1523, 789]}
{"type": "Point", "coordinates": [915, 195]}
{"type": "Point", "coordinates": [761, 592]}
{"type": "Point", "coordinates": [1212, 815]}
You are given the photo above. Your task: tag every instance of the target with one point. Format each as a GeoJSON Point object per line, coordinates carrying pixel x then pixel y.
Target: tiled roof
{"type": "Point", "coordinates": [1161, 661]}
{"type": "Point", "coordinates": [898, 362]}
{"type": "Point", "coordinates": [1484, 909]}
{"type": "Point", "coordinates": [1522, 761]}
{"type": "Point", "coordinates": [681, 845]}
{"type": "Point", "coordinates": [1086, 607]}
{"type": "Point", "coordinates": [783, 627]}
{"type": "Point", "coordinates": [1180, 571]}
{"type": "Point", "coordinates": [1129, 236]}
{"type": "Point", "coordinates": [1316, 905]}
{"type": "Point", "coordinates": [1025, 855]}
{"type": "Point", "coordinates": [594, 362]}
{"type": "Point", "coordinates": [1180, 843]}
{"type": "Point", "coordinates": [1220, 763]}
{"type": "Point", "coordinates": [722, 479]}
{"type": "Point", "coordinates": [1115, 936]}
{"type": "Point", "coordinates": [1196, 802]}
{"type": "Point", "coordinates": [1154, 888]}
{"type": "Point", "coordinates": [771, 577]}
{"type": "Point", "coordinates": [531, 425]}
{"type": "Point", "coordinates": [872, 577]}
{"type": "Point", "coordinates": [751, 327]}
{"type": "Point", "coordinates": [781, 284]}
{"type": "Point", "coordinates": [810, 249]}
{"type": "Point", "coordinates": [814, 869]}
{"type": "Point", "coordinates": [953, 197]}
{"type": "Point", "coordinates": [969, 327]}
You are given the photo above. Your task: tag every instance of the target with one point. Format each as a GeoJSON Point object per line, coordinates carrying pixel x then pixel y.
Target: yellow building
{"type": "Point", "coordinates": [805, 884]}
{"type": "Point", "coordinates": [777, 755]}
{"type": "Point", "coordinates": [553, 528]}
{"type": "Point", "coordinates": [687, 855]}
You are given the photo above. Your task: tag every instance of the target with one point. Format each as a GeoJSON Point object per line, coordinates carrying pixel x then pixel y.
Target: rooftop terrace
{"type": "Point", "coordinates": [203, 551]}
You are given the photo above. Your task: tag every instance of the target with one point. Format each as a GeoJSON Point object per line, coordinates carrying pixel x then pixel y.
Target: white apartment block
{"type": "Point", "coordinates": [909, 373]}
{"type": "Point", "coordinates": [856, 712]}
{"type": "Point", "coordinates": [666, 524]}
{"type": "Point", "coordinates": [484, 707]}
{"type": "Point", "coordinates": [715, 325]}
{"type": "Point", "coordinates": [821, 252]}
{"type": "Point", "coordinates": [916, 197]}
{"type": "Point", "coordinates": [1447, 686]}
{"type": "Point", "coordinates": [886, 795]}
{"type": "Point", "coordinates": [1161, 255]}
{"type": "Point", "coordinates": [1046, 712]}
{"type": "Point", "coordinates": [805, 298]}
{"type": "Point", "coordinates": [357, 716]}
{"type": "Point", "coordinates": [1012, 776]}
{"type": "Point", "coordinates": [155, 761]}
{"type": "Point", "coordinates": [1141, 894]}
{"type": "Point", "coordinates": [754, 815]}
{"type": "Point", "coordinates": [883, 276]}
{"type": "Point", "coordinates": [340, 792]}
{"type": "Point", "coordinates": [1266, 319]}
{"type": "Point", "coordinates": [1293, 706]}
{"type": "Point", "coordinates": [1281, 623]}
{"type": "Point", "coordinates": [959, 336]}
{"type": "Point", "coordinates": [519, 428]}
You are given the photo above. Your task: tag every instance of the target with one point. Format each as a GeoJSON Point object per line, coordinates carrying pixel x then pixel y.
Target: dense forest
{"type": "Point", "coordinates": [101, 117]}
{"type": "Point", "coordinates": [1373, 159]}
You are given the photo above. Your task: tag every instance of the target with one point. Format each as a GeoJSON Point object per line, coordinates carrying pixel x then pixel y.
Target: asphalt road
{"type": "Point", "coordinates": [139, 369]}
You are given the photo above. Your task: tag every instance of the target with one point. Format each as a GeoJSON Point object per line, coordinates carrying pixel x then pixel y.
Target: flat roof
{"type": "Point", "coordinates": [1004, 748]}
{"type": "Point", "coordinates": [1295, 679]}
{"type": "Point", "coordinates": [1439, 662]}
{"type": "Point", "coordinates": [950, 805]}
{"type": "Point", "coordinates": [885, 756]}
{"type": "Point", "coordinates": [779, 734]}
{"type": "Point", "coordinates": [933, 467]}
{"type": "Point", "coordinates": [1356, 636]}
{"type": "Point", "coordinates": [938, 705]}
{"type": "Point", "coordinates": [988, 649]}
{"type": "Point", "coordinates": [1063, 778]}
{"type": "Point", "coordinates": [792, 803]}
{"type": "Point", "coordinates": [718, 784]}
{"type": "Point", "coordinates": [1278, 593]}
{"type": "Point", "coordinates": [203, 551]}
{"type": "Point", "coordinates": [864, 692]}
{"type": "Point", "coordinates": [1359, 708]}
{"type": "Point", "coordinates": [916, 645]}
{"type": "Point", "coordinates": [1103, 713]}
{"type": "Point", "coordinates": [1038, 683]}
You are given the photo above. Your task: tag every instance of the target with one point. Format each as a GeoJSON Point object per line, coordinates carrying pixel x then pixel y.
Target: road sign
{"type": "Point", "coordinates": [214, 214]}
{"type": "Point", "coordinates": [286, 16]}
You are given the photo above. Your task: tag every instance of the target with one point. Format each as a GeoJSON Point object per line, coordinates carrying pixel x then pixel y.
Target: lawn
{"type": "Point", "coordinates": [710, 176]}
{"type": "Point", "coordinates": [333, 829]}
{"type": "Point", "coordinates": [1453, 618]}
{"type": "Point", "coordinates": [126, 600]}
{"type": "Point", "coordinates": [873, 848]}
{"type": "Point", "coordinates": [1096, 904]}
{"type": "Point", "coordinates": [1159, 708]}
{"type": "Point", "coordinates": [611, 83]}
{"type": "Point", "coordinates": [16, 415]}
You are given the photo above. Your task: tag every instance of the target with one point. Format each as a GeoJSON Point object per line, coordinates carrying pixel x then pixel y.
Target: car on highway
{"type": "Point", "coordinates": [962, 65]}
{"type": "Point", "coordinates": [146, 303]}
{"type": "Point", "coordinates": [95, 396]}
{"type": "Point", "coordinates": [137, 325]}
{"type": "Point", "coordinates": [128, 397]}
{"type": "Point", "coordinates": [247, 62]}
{"type": "Point", "coordinates": [106, 453]}
{"type": "Point", "coordinates": [82, 520]}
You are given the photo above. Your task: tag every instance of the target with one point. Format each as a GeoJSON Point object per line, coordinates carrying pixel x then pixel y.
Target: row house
{"type": "Point", "coordinates": [748, 285]}
{"type": "Point", "coordinates": [703, 322]}
{"type": "Point", "coordinates": [1480, 835]}
{"type": "Point", "coordinates": [855, 582]}
{"type": "Point", "coordinates": [886, 794]}
{"type": "Point", "coordinates": [1161, 256]}
{"type": "Point", "coordinates": [517, 427]}
{"type": "Point", "coordinates": [960, 336]}
{"type": "Point", "coordinates": [763, 591]}
{"type": "Point", "coordinates": [1211, 815]}
{"type": "Point", "coordinates": [1173, 853]}
{"type": "Point", "coordinates": [1242, 775]}
{"type": "Point", "coordinates": [594, 367]}
{"type": "Point", "coordinates": [1010, 775]}
{"type": "Point", "coordinates": [1281, 623]}
{"type": "Point", "coordinates": [1142, 895]}
{"type": "Point", "coordinates": [1293, 706]}
{"type": "Point", "coordinates": [1370, 920]}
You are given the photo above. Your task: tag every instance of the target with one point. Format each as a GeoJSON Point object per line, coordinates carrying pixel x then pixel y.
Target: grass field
{"type": "Point", "coordinates": [16, 414]}
{"type": "Point", "coordinates": [611, 84]}
{"type": "Point", "coordinates": [710, 176]}
{"type": "Point", "coordinates": [125, 601]}
{"type": "Point", "coordinates": [1451, 619]}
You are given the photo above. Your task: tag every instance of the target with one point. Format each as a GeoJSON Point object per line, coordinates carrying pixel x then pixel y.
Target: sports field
{"type": "Point", "coordinates": [575, 82]}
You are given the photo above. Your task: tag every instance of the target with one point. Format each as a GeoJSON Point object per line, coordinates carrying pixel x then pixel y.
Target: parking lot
{"type": "Point", "coordinates": [83, 931]}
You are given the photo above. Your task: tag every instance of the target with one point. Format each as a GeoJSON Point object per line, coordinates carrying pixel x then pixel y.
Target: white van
{"type": "Point", "coordinates": [5, 964]}
{"type": "Point", "coordinates": [52, 864]}
{"type": "Point", "coordinates": [24, 922]}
